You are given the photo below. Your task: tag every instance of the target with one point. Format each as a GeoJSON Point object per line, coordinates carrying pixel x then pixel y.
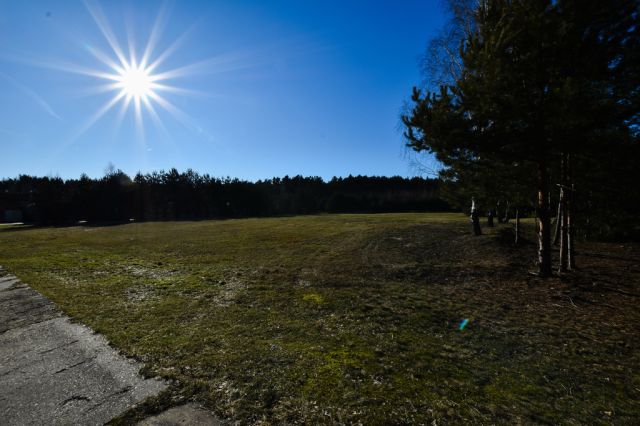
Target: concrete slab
{"type": "Point", "coordinates": [22, 306]}
{"type": "Point", "coordinates": [55, 372]}
{"type": "Point", "coordinates": [7, 282]}
{"type": "Point", "coordinates": [189, 414]}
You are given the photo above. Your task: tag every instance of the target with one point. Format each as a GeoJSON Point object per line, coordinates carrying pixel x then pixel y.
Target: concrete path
{"type": "Point", "coordinates": [189, 414]}
{"type": "Point", "coordinates": [55, 372]}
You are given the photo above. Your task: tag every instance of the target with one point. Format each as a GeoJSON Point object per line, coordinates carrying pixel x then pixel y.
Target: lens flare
{"type": "Point", "coordinates": [463, 323]}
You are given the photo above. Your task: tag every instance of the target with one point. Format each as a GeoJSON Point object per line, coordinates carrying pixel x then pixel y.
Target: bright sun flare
{"type": "Point", "coordinates": [135, 82]}
{"type": "Point", "coordinates": [135, 77]}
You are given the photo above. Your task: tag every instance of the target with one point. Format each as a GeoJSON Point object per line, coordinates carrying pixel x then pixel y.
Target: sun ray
{"type": "Point", "coordinates": [173, 89]}
{"type": "Point", "coordinates": [131, 45]}
{"type": "Point", "coordinates": [103, 24]}
{"type": "Point", "coordinates": [61, 66]}
{"type": "Point", "coordinates": [132, 52]}
{"type": "Point", "coordinates": [86, 71]}
{"type": "Point", "coordinates": [154, 36]}
{"type": "Point", "coordinates": [124, 106]}
{"type": "Point", "coordinates": [97, 90]}
{"type": "Point", "coordinates": [223, 63]}
{"type": "Point", "coordinates": [155, 117]}
{"type": "Point", "coordinates": [102, 57]}
{"type": "Point", "coordinates": [75, 69]}
{"type": "Point", "coordinates": [139, 120]}
{"type": "Point", "coordinates": [171, 49]}
{"type": "Point", "coordinates": [176, 112]}
{"type": "Point", "coordinates": [96, 116]}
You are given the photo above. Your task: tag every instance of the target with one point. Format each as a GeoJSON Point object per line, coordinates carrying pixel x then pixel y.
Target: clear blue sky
{"type": "Point", "coordinates": [278, 87]}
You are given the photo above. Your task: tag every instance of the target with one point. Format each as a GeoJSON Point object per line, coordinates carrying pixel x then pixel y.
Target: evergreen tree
{"type": "Point", "coordinates": [540, 81]}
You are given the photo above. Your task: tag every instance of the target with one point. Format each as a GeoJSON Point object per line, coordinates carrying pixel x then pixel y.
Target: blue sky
{"type": "Point", "coordinates": [278, 87]}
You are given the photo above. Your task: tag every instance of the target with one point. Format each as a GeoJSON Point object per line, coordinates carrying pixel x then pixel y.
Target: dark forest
{"type": "Point", "coordinates": [171, 195]}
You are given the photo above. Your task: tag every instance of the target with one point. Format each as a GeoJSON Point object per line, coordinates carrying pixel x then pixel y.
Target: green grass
{"type": "Point", "coordinates": [351, 318]}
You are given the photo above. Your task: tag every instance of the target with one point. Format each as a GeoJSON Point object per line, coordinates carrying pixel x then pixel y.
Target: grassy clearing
{"type": "Point", "coordinates": [352, 318]}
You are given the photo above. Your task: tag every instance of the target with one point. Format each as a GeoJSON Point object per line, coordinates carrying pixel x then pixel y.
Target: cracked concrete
{"type": "Point", "coordinates": [55, 372]}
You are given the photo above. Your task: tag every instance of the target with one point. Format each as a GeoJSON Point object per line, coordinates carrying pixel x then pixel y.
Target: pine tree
{"type": "Point", "coordinates": [541, 82]}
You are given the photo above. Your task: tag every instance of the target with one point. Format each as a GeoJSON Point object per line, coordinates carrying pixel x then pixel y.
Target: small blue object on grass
{"type": "Point", "coordinates": [463, 324]}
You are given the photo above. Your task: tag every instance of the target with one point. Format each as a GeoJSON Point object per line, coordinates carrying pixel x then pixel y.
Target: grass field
{"type": "Point", "coordinates": [351, 318]}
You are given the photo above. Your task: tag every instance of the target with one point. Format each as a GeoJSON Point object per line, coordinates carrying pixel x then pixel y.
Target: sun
{"type": "Point", "coordinates": [133, 76]}
{"type": "Point", "coordinates": [135, 82]}
{"type": "Point", "coordinates": [138, 78]}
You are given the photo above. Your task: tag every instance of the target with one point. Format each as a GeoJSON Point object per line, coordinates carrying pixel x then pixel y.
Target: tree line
{"type": "Point", "coordinates": [172, 195]}
{"type": "Point", "coordinates": [535, 104]}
